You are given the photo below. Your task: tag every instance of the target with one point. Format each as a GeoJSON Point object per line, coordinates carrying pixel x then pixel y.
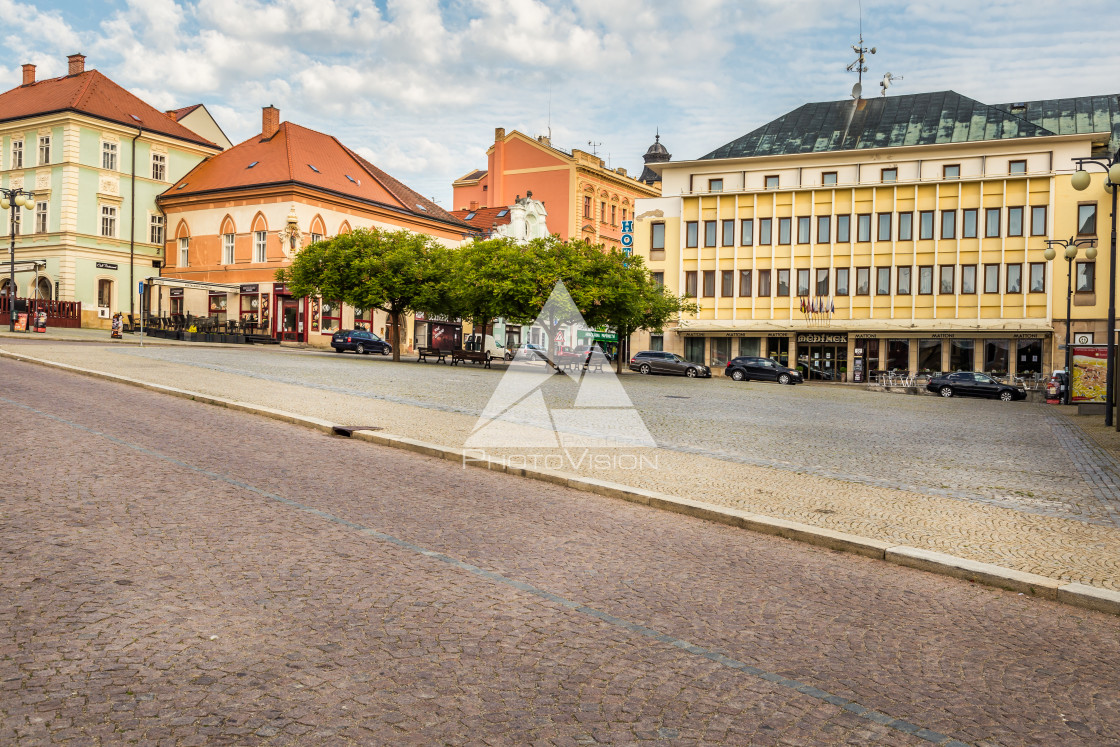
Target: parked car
{"type": "Point", "coordinates": [974, 384]}
{"type": "Point", "coordinates": [496, 349]}
{"type": "Point", "coordinates": [360, 341]}
{"type": "Point", "coordinates": [747, 367]}
{"type": "Point", "coordinates": [657, 361]}
{"type": "Point", "coordinates": [533, 352]}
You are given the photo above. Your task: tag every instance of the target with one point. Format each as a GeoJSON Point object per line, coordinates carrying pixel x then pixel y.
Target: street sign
{"type": "Point", "coordinates": [560, 337]}
{"type": "Point", "coordinates": [141, 284]}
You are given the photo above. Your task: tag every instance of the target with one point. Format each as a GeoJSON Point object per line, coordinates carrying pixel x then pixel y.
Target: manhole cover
{"type": "Point", "coordinates": [348, 430]}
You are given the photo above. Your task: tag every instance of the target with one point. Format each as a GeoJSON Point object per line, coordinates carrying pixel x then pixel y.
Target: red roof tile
{"type": "Point", "coordinates": [483, 219]}
{"type": "Point", "coordinates": [178, 114]}
{"type": "Point", "coordinates": [93, 94]}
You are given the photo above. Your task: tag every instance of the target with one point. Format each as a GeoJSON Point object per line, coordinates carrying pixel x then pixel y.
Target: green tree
{"type": "Point", "coordinates": [398, 272]}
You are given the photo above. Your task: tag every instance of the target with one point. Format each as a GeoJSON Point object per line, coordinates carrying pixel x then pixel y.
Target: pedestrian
{"type": "Point", "coordinates": [116, 327]}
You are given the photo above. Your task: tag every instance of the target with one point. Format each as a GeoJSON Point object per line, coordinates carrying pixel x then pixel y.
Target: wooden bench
{"type": "Point", "coordinates": [436, 353]}
{"type": "Point", "coordinates": [474, 356]}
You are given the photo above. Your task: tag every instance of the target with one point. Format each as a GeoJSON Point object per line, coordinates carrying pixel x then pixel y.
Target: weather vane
{"type": "Point", "coordinates": [859, 66]}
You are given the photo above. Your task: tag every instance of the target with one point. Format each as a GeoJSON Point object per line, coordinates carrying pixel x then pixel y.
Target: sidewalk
{"type": "Point", "coordinates": [1058, 548]}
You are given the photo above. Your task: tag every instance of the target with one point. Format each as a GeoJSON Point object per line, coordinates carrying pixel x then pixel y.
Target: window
{"type": "Point", "coordinates": [330, 317]}
{"type": "Point", "coordinates": [1014, 221]}
{"type": "Point", "coordinates": [17, 154]}
{"type": "Point", "coordinates": [996, 354]}
{"type": "Point", "coordinates": [1017, 167]}
{"type": "Point", "coordinates": [898, 355]}
{"type": "Point", "coordinates": [721, 352]}
{"type": "Point", "coordinates": [159, 167]}
{"type": "Point", "coordinates": [968, 223]}
{"type": "Point", "coordinates": [1029, 356]}
{"type": "Point", "coordinates": [108, 220]}
{"type": "Point", "coordinates": [968, 279]}
{"type": "Point", "coordinates": [802, 282]}
{"type": "Point", "coordinates": [947, 277]}
{"type": "Point", "coordinates": [44, 149]}
{"type": "Point", "coordinates": [657, 342]}
{"type": "Point", "coordinates": [1038, 277]}
{"type": "Point", "coordinates": [603, 212]}
{"type": "Point", "coordinates": [991, 278]}
{"type": "Point", "coordinates": [694, 349]}
{"type": "Point", "coordinates": [1087, 220]}
{"type": "Point", "coordinates": [779, 349]}
{"type": "Point", "coordinates": [925, 280]}
{"type": "Point", "coordinates": [727, 283]}
{"type": "Point", "coordinates": [586, 206]}
{"type": "Point", "coordinates": [316, 237]}
{"type": "Point", "coordinates": [841, 281]}
{"type": "Point", "coordinates": [109, 156]}
{"type": "Point", "coordinates": [184, 245]}
{"type": "Point", "coordinates": [260, 246]}
{"type": "Point", "coordinates": [890, 175]}
{"type": "Point", "coordinates": [884, 227]}
{"type": "Point", "coordinates": [948, 224]}
{"type": "Point", "coordinates": [747, 229]}
{"type": "Point", "coordinates": [905, 226]}
{"type": "Point", "coordinates": [863, 281]}
{"type": "Point", "coordinates": [709, 233]}
{"type": "Point", "coordinates": [772, 182]}
{"type": "Point", "coordinates": [750, 346]}
{"type": "Point", "coordinates": [883, 281]}
{"type": "Point", "coordinates": [991, 223]}
{"type": "Point", "coordinates": [764, 282]}
{"type": "Point", "coordinates": [658, 278]}
{"type": "Point", "coordinates": [709, 283]}
{"type": "Point", "coordinates": [40, 217]}
{"type": "Point", "coordinates": [824, 228]}
{"type": "Point", "coordinates": [614, 215]}
{"type": "Point", "coordinates": [715, 185]}
{"type": "Point", "coordinates": [828, 178]}
{"type": "Point", "coordinates": [155, 230]}
{"type": "Point", "coordinates": [691, 234]}
{"type": "Point", "coordinates": [904, 281]}
{"type": "Point", "coordinates": [17, 221]}
{"type": "Point", "coordinates": [863, 228]}
{"type": "Point", "coordinates": [729, 233]}
{"type": "Point", "coordinates": [803, 226]}
{"type": "Point", "coordinates": [227, 248]}
{"type": "Point", "coordinates": [925, 224]}
{"type": "Point", "coordinates": [1038, 220]}
{"type": "Point", "coordinates": [962, 355]}
{"type": "Point", "coordinates": [1085, 277]}
{"type": "Point", "coordinates": [843, 228]}
{"type": "Point", "coordinates": [1015, 278]}
{"type": "Point", "coordinates": [784, 225]}
{"type": "Point", "coordinates": [929, 355]}
{"type": "Point", "coordinates": [764, 232]}
{"type": "Point", "coordinates": [783, 282]}
{"type": "Point", "coordinates": [657, 237]}
{"type": "Point", "coordinates": [951, 172]}
{"type": "Point", "coordinates": [822, 282]}
{"type": "Point", "coordinates": [690, 283]}
{"type": "Point", "coordinates": [104, 292]}
{"type": "Point", "coordinates": [744, 282]}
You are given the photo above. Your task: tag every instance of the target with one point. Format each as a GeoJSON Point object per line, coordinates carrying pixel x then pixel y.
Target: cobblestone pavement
{"type": "Point", "coordinates": [175, 573]}
{"type": "Point", "coordinates": [911, 470]}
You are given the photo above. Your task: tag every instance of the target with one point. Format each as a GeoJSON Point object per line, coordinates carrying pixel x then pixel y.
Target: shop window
{"type": "Point", "coordinates": [868, 350]}
{"type": "Point", "coordinates": [884, 227]}
{"type": "Point", "coordinates": [925, 280]}
{"type": "Point", "coordinates": [657, 237]}
{"type": "Point", "coordinates": [657, 342]}
{"type": "Point", "coordinates": [803, 226]}
{"type": "Point", "coordinates": [250, 306]}
{"type": "Point", "coordinates": [1038, 277]}
{"type": "Point", "coordinates": [1038, 220]}
{"type": "Point", "coordinates": [747, 228]}
{"type": "Point", "coordinates": [968, 223]}
{"type": "Point", "coordinates": [843, 229]}
{"type": "Point", "coordinates": [363, 319]}
{"type": "Point", "coordinates": [764, 231]}
{"type": "Point", "coordinates": [947, 277]}
{"type": "Point", "coordinates": [709, 233]}
{"type": "Point", "coordinates": [863, 281]}
{"type": "Point", "coordinates": [1014, 221]}
{"type": "Point", "coordinates": [772, 182]}
{"type": "Point", "coordinates": [177, 305]}
{"type": "Point", "coordinates": [218, 303]}
{"type": "Point", "coordinates": [331, 317]}
{"type": "Point", "coordinates": [1087, 220]}
{"type": "Point", "coordinates": [898, 355]}
{"type": "Point", "coordinates": [962, 355]}
{"type": "Point", "coordinates": [929, 356]}
{"type": "Point", "coordinates": [996, 357]}
{"type": "Point", "coordinates": [968, 279]}
{"type": "Point", "coordinates": [991, 223]}
{"type": "Point", "coordinates": [904, 281]}
{"type": "Point", "coordinates": [721, 352]}
{"type": "Point", "coordinates": [822, 282]}
{"type": "Point", "coordinates": [694, 350]}
{"type": "Point", "coordinates": [991, 278]}
{"type": "Point", "coordinates": [925, 224]}
{"type": "Point", "coordinates": [1015, 278]}
{"type": "Point", "coordinates": [1085, 277]}
{"type": "Point", "coordinates": [863, 228]}
{"type": "Point", "coordinates": [948, 224]}
{"type": "Point", "coordinates": [104, 293]}
{"type": "Point", "coordinates": [691, 234]}
{"type": "Point", "coordinates": [779, 350]}
{"type": "Point", "coordinates": [841, 281]}
{"type": "Point", "coordinates": [783, 282]}
{"type": "Point", "coordinates": [764, 282]}
{"type": "Point", "coordinates": [709, 283]}
{"type": "Point", "coordinates": [744, 282]}
{"type": "Point", "coordinates": [828, 178]}
{"type": "Point", "coordinates": [905, 226]}
{"type": "Point", "coordinates": [751, 346]}
{"type": "Point", "coordinates": [824, 228]}
{"type": "Point", "coordinates": [727, 283]}
{"type": "Point", "coordinates": [802, 282]}
{"type": "Point", "coordinates": [690, 283]}
{"type": "Point", "coordinates": [729, 233]}
{"type": "Point", "coordinates": [784, 228]}
{"type": "Point", "coordinates": [883, 281]}
{"type": "Point", "coordinates": [1028, 357]}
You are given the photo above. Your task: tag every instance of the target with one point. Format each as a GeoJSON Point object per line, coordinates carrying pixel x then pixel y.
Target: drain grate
{"type": "Point", "coordinates": [348, 430]}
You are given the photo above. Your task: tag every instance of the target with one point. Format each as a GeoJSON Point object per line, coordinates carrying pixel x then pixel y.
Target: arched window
{"type": "Point", "coordinates": [229, 240]}
{"type": "Point", "coordinates": [183, 237]}
{"type": "Point", "coordinates": [344, 228]}
{"type": "Point", "coordinates": [43, 288]}
{"type": "Point", "coordinates": [260, 238]}
{"type": "Point", "coordinates": [318, 229]}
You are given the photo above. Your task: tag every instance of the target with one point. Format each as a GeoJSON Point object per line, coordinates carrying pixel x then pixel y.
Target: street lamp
{"type": "Point", "coordinates": [14, 199]}
{"type": "Point", "coordinates": [1070, 247]}
{"type": "Point", "coordinates": [1080, 182]}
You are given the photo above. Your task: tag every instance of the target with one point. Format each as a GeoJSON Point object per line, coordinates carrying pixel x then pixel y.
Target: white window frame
{"type": "Point", "coordinates": [156, 223]}
{"type": "Point", "coordinates": [42, 216]}
{"type": "Point", "coordinates": [108, 155]}
{"type": "Point", "coordinates": [109, 213]}
{"type": "Point", "coordinates": [228, 241]}
{"type": "Point", "coordinates": [159, 167]}
{"type": "Point", "coordinates": [17, 154]}
{"type": "Point", "coordinates": [17, 219]}
{"type": "Point", "coordinates": [316, 237]}
{"type": "Point", "coordinates": [260, 246]}
{"type": "Point", "coordinates": [44, 150]}
{"type": "Point", "coordinates": [184, 251]}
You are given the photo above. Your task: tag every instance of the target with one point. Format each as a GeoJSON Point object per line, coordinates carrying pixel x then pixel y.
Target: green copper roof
{"type": "Point", "coordinates": [1077, 116]}
{"type": "Point", "coordinates": [883, 122]}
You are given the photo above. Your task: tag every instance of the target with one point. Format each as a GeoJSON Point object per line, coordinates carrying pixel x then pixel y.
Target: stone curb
{"type": "Point", "coordinates": [1074, 594]}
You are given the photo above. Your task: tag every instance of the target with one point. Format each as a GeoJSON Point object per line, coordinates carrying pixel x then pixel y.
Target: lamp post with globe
{"type": "Point", "coordinates": [14, 199]}
{"type": "Point", "coordinates": [1070, 248]}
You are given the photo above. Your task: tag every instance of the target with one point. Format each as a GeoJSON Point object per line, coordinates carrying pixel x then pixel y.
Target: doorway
{"type": "Point", "coordinates": [291, 319]}
{"type": "Point", "coordinates": [827, 362]}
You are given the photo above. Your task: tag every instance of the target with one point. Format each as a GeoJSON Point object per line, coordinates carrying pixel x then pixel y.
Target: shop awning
{"type": "Point", "coordinates": [908, 327]}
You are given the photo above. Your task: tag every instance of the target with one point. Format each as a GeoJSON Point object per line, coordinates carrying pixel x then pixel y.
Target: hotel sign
{"type": "Point", "coordinates": [627, 237]}
{"type": "Point", "coordinates": [841, 338]}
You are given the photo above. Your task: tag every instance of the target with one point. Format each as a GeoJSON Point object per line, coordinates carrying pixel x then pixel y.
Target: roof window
{"type": "Point", "coordinates": [356, 181]}
{"type": "Point", "coordinates": [254, 163]}
{"type": "Point", "coordinates": [421, 207]}
{"type": "Point", "coordinates": [1018, 107]}
{"type": "Point", "coordinates": [310, 166]}
{"type": "Point", "coordinates": [503, 213]}
{"type": "Point", "coordinates": [470, 216]}
{"type": "Point", "coordinates": [181, 185]}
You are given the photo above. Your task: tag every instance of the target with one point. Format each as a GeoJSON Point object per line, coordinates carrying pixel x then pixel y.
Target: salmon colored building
{"type": "Point", "coordinates": [238, 217]}
{"type": "Point", "coordinates": [585, 200]}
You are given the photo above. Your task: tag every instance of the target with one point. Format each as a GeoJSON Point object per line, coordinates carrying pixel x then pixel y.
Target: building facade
{"type": "Point", "coordinates": [899, 234]}
{"type": "Point", "coordinates": [95, 158]}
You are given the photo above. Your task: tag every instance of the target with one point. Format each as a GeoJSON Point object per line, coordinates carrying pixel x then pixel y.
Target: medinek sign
{"type": "Point", "coordinates": [822, 338]}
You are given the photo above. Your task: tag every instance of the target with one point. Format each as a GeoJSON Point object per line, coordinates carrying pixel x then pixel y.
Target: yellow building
{"type": "Point", "coordinates": [902, 233]}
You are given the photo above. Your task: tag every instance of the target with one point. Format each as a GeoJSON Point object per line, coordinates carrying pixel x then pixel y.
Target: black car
{"type": "Point", "coordinates": [658, 361]}
{"type": "Point", "coordinates": [747, 367]}
{"type": "Point", "coordinates": [973, 384]}
{"type": "Point", "coordinates": [360, 341]}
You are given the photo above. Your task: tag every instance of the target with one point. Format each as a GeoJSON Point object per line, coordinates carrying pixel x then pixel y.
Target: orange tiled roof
{"type": "Point", "coordinates": [296, 154]}
{"type": "Point", "coordinates": [178, 114]}
{"type": "Point", "coordinates": [91, 93]}
{"type": "Point", "coordinates": [483, 218]}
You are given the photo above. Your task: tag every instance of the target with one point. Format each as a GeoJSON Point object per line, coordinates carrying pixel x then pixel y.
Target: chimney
{"type": "Point", "coordinates": [474, 204]}
{"type": "Point", "coordinates": [499, 134]}
{"type": "Point", "coordinates": [270, 121]}
{"type": "Point", "coordinates": [544, 140]}
{"type": "Point", "coordinates": [77, 64]}
{"type": "Point", "coordinates": [28, 74]}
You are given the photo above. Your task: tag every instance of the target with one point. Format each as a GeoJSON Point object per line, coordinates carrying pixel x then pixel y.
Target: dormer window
{"type": "Point", "coordinates": [313, 168]}
{"type": "Point", "coordinates": [254, 163]}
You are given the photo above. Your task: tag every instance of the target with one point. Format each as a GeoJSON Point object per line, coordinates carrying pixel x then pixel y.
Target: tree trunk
{"type": "Point", "coordinates": [395, 316]}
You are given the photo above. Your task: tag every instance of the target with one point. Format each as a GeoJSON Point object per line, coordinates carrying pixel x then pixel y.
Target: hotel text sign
{"type": "Point", "coordinates": [822, 338]}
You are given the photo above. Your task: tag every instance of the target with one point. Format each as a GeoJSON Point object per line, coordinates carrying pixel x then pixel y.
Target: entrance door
{"type": "Point", "coordinates": [825, 362]}
{"type": "Point", "coordinates": [291, 319]}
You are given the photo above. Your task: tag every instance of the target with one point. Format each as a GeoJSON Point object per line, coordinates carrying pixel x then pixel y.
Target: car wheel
{"type": "Point", "coordinates": [946, 391]}
{"type": "Point", "coordinates": [737, 375]}
{"type": "Point", "coordinates": [784, 379]}
{"type": "Point", "coordinates": [643, 369]}
{"type": "Point", "coordinates": [690, 373]}
{"type": "Point", "coordinates": [385, 351]}
{"type": "Point", "coordinates": [1006, 396]}
{"type": "Point", "coordinates": [360, 349]}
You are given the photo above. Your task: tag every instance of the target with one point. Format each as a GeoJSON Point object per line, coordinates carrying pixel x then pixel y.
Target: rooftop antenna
{"type": "Point", "coordinates": [594, 152]}
{"type": "Point", "coordinates": [885, 83]}
{"type": "Point", "coordinates": [859, 66]}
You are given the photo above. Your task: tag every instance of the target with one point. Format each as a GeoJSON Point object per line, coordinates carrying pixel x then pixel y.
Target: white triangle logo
{"type": "Point", "coordinates": [518, 413]}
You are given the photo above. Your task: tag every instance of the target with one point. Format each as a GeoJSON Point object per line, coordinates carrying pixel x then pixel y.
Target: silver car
{"type": "Point", "coordinates": [658, 361]}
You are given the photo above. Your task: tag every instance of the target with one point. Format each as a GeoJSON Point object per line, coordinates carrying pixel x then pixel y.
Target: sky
{"type": "Point", "coordinates": [418, 86]}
